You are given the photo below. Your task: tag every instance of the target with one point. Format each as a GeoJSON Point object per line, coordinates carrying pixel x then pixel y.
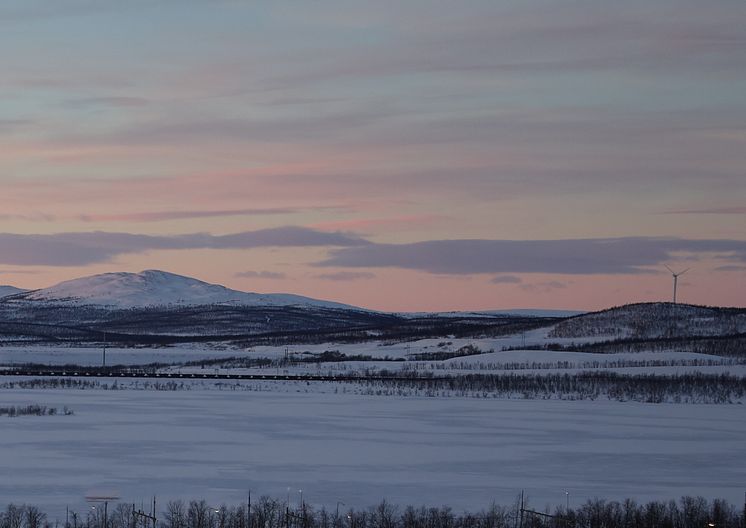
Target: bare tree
{"type": "Point", "coordinates": [12, 517]}
{"type": "Point", "coordinates": [176, 514]}
{"type": "Point", "coordinates": [198, 515]}
{"type": "Point", "coordinates": [34, 517]}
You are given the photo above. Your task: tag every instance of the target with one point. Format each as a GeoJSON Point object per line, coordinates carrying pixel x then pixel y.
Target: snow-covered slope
{"type": "Point", "coordinates": [160, 288]}
{"type": "Point", "coordinates": [10, 290]}
{"type": "Point", "coordinates": [653, 321]}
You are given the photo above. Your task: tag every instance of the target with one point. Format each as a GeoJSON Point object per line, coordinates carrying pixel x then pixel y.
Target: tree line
{"type": "Point", "coordinates": [32, 410]}
{"type": "Point", "coordinates": [268, 512]}
{"type": "Point", "coordinates": [648, 388]}
{"type": "Point", "coordinates": [731, 345]}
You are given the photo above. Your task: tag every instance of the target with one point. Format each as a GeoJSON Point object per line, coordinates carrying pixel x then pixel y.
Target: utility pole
{"type": "Point", "coordinates": [296, 517]}
{"type": "Point", "coordinates": [565, 520]}
{"type": "Point", "coordinates": [522, 508]}
{"type": "Point", "coordinates": [143, 515]}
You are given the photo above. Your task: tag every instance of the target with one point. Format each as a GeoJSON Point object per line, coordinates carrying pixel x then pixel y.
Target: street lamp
{"type": "Point", "coordinates": [210, 511]}
{"type": "Point", "coordinates": [95, 512]}
{"type": "Point", "coordinates": [104, 498]}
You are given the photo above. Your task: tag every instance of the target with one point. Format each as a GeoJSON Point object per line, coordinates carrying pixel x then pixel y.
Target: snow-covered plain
{"type": "Point", "coordinates": [338, 444]}
{"type": "Point", "coordinates": [511, 362]}
{"type": "Point", "coordinates": [508, 361]}
{"type": "Point", "coordinates": [87, 355]}
{"type": "Point", "coordinates": [465, 453]}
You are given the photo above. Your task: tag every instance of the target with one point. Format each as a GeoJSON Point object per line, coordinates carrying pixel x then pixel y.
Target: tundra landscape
{"type": "Point", "coordinates": [372, 264]}
{"type": "Point", "coordinates": [221, 393]}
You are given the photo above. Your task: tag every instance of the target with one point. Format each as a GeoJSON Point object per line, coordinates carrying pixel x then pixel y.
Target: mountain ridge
{"type": "Point", "coordinates": [160, 288]}
{"type": "Point", "coordinates": [7, 290]}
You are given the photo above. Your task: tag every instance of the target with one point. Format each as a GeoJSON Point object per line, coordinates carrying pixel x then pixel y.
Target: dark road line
{"type": "Point", "coordinates": [70, 373]}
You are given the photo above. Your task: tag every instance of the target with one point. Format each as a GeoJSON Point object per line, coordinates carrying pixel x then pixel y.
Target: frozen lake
{"type": "Point", "coordinates": [462, 452]}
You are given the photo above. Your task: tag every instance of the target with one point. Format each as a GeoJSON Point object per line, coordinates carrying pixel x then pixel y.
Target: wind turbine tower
{"type": "Point", "coordinates": [676, 280]}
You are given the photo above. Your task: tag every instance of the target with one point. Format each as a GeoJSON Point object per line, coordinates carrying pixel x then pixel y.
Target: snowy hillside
{"type": "Point", "coordinates": [10, 290]}
{"type": "Point", "coordinates": [652, 321]}
{"type": "Point", "coordinates": [160, 288]}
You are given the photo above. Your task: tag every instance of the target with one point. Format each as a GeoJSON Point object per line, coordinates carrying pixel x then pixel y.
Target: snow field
{"type": "Point", "coordinates": [464, 453]}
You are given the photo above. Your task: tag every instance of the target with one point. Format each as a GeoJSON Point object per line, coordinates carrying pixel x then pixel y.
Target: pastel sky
{"type": "Point", "coordinates": [397, 155]}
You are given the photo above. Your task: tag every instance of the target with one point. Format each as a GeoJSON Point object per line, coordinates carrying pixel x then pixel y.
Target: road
{"type": "Point", "coordinates": [136, 373]}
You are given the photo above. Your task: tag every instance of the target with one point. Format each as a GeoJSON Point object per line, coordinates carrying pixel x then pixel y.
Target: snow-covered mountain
{"type": "Point", "coordinates": [10, 290]}
{"type": "Point", "coordinates": [160, 288]}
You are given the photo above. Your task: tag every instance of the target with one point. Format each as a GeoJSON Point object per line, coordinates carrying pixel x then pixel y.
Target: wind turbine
{"type": "Point", "coordinates": [676, 279]}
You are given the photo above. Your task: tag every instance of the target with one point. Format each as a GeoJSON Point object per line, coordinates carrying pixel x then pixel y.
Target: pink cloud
{"type": "Point", "coordinates": [158, 216]}
{"type": "Point", "coordinates": [737, 210]}
{"type": "Point", "coordinates": [264, 274]}
{"type": "Point", "coordinates": [374, 224]}
{"type": "Point", "coordinates": [346, 276]}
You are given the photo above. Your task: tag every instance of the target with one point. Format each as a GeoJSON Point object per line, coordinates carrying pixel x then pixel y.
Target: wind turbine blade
{"type": "Point", "coordinates": [669, 269]}
{"type": "Point", "coordinates": [682, 272]}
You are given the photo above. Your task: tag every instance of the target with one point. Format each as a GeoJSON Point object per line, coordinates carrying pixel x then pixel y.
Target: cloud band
{"type": "Point", "coordinates": [77, 249]}
{"type": "Point", "coordinates": [630, 255]}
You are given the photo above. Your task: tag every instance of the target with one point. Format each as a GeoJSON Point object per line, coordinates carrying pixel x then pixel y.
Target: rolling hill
{"type": "Point", "coordinates": [159, 288]}
{"type": "Point", "coordinates": [5, 291]}
{"type": "Point", "coordinates": [653, 321]}
{"type": "Point", "coordinates": [157, 307]}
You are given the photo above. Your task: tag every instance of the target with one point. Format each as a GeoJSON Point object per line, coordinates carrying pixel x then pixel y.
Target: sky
{"type": "Point", "coordinates": [396, 155]}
